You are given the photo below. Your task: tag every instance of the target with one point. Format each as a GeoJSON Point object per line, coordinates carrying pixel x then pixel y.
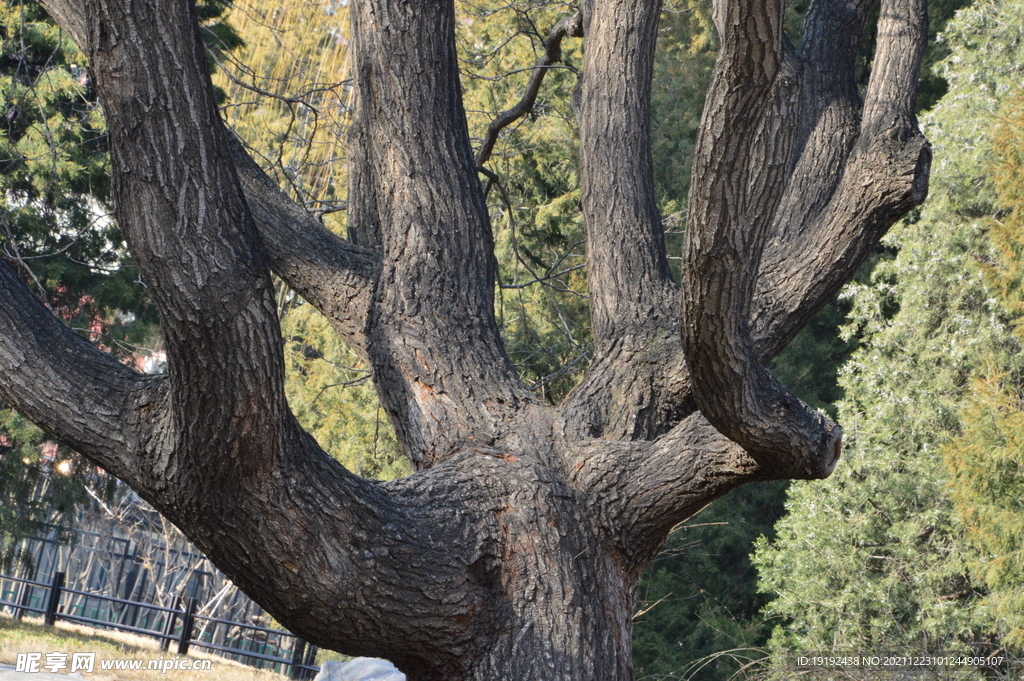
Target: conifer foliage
{"type": "Point", "coordinates": [57, 230]}
{"type": "Point", "coordinates": [877, 557]}
{"type": "Point", "coordinates": [986, 462]}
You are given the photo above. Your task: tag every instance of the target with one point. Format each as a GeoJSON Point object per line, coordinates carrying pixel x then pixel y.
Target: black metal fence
{"type": "Point", "coordinates": [250, 644]}
{"type": "Point", "coordinates": [134, 566]}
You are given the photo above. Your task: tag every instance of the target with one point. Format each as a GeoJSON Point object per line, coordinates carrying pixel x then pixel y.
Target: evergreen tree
{"type": "Point", "coordinates": [55, 227]}
{"type": "Point", "coordinates": [876, 558]}
{"type": "Point", "coordinates": [722, 633]}
{"type": "Point", "coordinates": [285, 96]}
{"type": "Point", "coordinates": [54, 184]}
{"type": "Point", "coordinates": [986, 462]}
{"type": "Point", "coordinates": [700, 616]}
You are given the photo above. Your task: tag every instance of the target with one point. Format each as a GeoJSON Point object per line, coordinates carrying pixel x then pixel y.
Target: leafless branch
{"type": "Point", "coordinates": [571, 26]}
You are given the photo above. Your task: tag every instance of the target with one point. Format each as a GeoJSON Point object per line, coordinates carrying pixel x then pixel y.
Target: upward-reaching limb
{"type": "Point", "coordinates": [438, 356]}
{"type": "Point", "coordinates": [331, 273]}
{"type": "Point", "coordinates": [882, 174]}
{"type": "Point", "coordinates": [742, 158]}
{"type": "Point", "coordinates": [637, 371]}
{"type": "Point", "coordinates": [819, 234]}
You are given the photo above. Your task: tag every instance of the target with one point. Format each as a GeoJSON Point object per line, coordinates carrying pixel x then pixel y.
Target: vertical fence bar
{"type": "Point", "coordinates": [310, 661]}
{"type": "Point", "coordinates": [300, 648]}
{"type": "Point", "coordinates": [22, 600]}
{"type": "Point", "coordinates": [54, 600]}
{"type": "Point", "coordinates": [186, 627]}
{"type": "Point", "coordinates": [24, 591]}
{"type": "Point", "coordinates": [168, 632]}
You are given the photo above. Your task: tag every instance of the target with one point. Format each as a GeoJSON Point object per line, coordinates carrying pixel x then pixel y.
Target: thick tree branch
{"type": "Point", "coordinates": [76, 392]}
{"type": "Point", "coordinates": [358, 566]}
{"type": "Point", "coordinates": [643, 489]}
{"type": "Point", "coordinates": [331, 273]}
{"type": "Point", "coordinates": [627, 271]}
{"type": "Point", "coordinates": [434, 343]}
{"type": "Point", "coordinates": [855, 175]}
{"type": "Point", "coordinates": [742, 156]}
{"type": "Point", "coordinates": [884, 175]}
{"type": "Point", "coordinates": [180, 206]}
{"type": "Point", "coordinates": [637, 382]}
{"type": "Point", "coordinates": [875, 169]}
{"type": "Point", "coordinates": [640, 388]}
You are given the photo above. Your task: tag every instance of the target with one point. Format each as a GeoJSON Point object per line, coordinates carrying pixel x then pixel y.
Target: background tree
{"type": "Point", "coordinates": [986, 461]}
{"type": "Point", "coordinates": [524, 133]}
{"type": "Point", "coordinates": [876, 557]}
{"type": "Point", "coordinates": [514, 550]}
{"type": "Point", "coordinates": [700, 598]}
{"type": "Point", "coordinates": [286, 93]}
{"type": "Point", "coordinates": [55, 228]}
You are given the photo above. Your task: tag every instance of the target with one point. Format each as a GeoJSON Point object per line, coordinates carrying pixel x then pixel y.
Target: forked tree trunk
{"type": "Point", "coordinates": [514, 552]}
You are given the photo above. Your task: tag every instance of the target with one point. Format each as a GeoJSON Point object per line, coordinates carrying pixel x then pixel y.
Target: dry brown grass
{"type": "Point", "coordinates": [30, 636]}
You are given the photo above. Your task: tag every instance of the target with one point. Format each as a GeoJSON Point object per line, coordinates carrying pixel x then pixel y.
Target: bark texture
{"type": "Point", "coordinates": [515, 550]}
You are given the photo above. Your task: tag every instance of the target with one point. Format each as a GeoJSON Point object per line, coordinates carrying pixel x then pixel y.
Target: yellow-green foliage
{"type": "Point", "coordinates": [987, 461]}
{"type": "Point", "coordinates": [332, 395]}
{"type": "Point", "coordinates": [535, 212]}
{"type": "Point", "coordinates": [286, 94]}
{"type": "Point", "coordinates": [687, 48]}
{"type": "Point", "coordinates": [285, 99]}
{"type": "Point", "coordinates": [987, 466]}
{"type": "Point", "coordinates": [877, 556]}
{"type": "Point", "coordinates": [1007, 234]}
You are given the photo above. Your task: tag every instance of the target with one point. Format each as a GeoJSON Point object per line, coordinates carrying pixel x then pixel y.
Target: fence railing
{"type": "Point", "coordinates": [175, 624]}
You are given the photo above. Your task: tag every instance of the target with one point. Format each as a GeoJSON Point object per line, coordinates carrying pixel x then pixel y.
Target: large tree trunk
{"type": "Point", "coordinates": [515, 550]}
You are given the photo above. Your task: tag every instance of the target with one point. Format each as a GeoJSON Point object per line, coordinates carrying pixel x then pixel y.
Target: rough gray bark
{"type": "Point", "coordinates": [515, 550]}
